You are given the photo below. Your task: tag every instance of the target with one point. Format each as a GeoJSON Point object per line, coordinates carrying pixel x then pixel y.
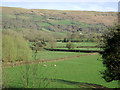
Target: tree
{"type": "Point", "coordinates": [70, 45]}
{"type": "Point", "coordinates": [111, 54]}
{"type": "Point", "coordinates": [14, 47]}
{"type": "Point", "coordinates": [65, 40]}
{"type": "Point", "coordinates": [38, 45]}
{"type": "Point", "coordinates": [51, 43]}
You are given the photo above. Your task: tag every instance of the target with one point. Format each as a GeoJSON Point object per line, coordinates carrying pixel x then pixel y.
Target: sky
{"type": "Point", "coordinates": [83, 5]}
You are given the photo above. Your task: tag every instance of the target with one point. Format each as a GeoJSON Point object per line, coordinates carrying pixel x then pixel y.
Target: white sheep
{"type": "Point", "coordinates": [44, 65]}
{"type": "Point", "coordinates": [55, 65]}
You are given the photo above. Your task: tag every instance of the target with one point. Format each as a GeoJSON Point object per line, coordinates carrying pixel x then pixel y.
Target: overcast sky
{"type": "Point", "coordinates": [87, 5]}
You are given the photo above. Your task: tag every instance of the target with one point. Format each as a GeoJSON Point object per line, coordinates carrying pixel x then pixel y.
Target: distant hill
{"type": "Point", "coordinates": [56, 20]}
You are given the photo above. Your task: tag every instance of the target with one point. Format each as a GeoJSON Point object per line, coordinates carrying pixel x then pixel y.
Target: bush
{"type": "Point", "coordinates": [70, 45]}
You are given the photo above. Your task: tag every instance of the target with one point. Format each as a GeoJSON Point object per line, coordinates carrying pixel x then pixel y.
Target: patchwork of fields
{"type": "Point", "coordinates": [44, 48]}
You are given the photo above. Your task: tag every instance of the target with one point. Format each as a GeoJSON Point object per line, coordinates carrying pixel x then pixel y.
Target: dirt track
{"type": "Point", "coordinates": [5, 65]}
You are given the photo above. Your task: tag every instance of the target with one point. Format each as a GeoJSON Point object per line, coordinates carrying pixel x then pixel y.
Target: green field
{"type": "Point", "coordinates": [78, 44]}
{"type": "Point", "coordinates": [84, 69]}
{"type": "Point", "coordinates": [60, 44]}
{"type": "Point", "coordinates": [87, 48]}
{"type": "Point", "coordinates": [55, 54]}
{"type": "Point", "coordinates": [80, 48]}
{"type": "Point", "coordinates": [64, 22]}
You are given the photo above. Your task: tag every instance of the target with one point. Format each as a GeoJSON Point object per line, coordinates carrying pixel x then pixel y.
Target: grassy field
{"type": "Point", "coordinates": [78, 44]}
{"type": "Point", "coordinates": [64, 22]}
{"type": "Point", "coordinates": [84, 69]}
{"type": "Point", "coordinates": [80, 48]}
{"type": "Point", "coordinates": [55, 54]}
{"type": "Point", "coordinates": [87, 48]}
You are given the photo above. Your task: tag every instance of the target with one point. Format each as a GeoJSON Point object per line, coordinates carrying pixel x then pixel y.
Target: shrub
{"type": "Point", "coordinates": [70, 45]}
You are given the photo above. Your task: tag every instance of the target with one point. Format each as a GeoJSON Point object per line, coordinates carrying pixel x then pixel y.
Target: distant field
{"type": "Point", "coordinates": [78, 44]}
{"type": "Point", "coordinates": [80, 48]}
{"type": "Point", "coordinates": [66, 73]}
{"type": "Point", "coordinates": [87, 48]}
{"type": "Point", "coordinates": [64, 22]}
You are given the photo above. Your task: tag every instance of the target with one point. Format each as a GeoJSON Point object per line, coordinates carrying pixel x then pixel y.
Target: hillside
{"type": "Point", "coordinates": [56, 20]}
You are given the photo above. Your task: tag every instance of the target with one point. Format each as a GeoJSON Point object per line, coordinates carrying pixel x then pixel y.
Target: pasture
{"type": "Point", "coordinates": [77, 44]}
{"type": "Point", "coordinates": [71, 73]}
{"type": "Point", "coordinates": [55, 54]}
{"type": "Point", "coordinates": [60, 70]}
{"type": "Point", "coordinates": [80, 48]}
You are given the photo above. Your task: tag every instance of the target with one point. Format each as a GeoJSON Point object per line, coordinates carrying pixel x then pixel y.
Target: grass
{"type": "Point", "coordinates": [60, 44]}
{"type": "Point", "coordinates": [80, 48]}
{"type": "Point", "coordinates": [55, 54]}
{"type": "Point", "coordinates": [30, 43]}
{"type": "Point", "coordinates": [87, 48]}
{"type": "Point", "coordinates": [86, 44]}
{"type": "Point", "coordinates": [64, 44]}
{"type": "Point", "coordinates": [44, 29]}
{"type": "Point", "coordinates": [83, 69]}
{"type": "Point", "coordinates": [64, 22]}
{"type": "Point", "coordinates": [78, 44]}
{"type": "Point", "coordinates": [9, 16]}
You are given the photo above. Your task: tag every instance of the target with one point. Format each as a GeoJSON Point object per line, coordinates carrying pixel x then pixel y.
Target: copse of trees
{"type": "Point", "coordinates": [81, 37]}
{"type": "Point", "coordinates": [14, 47]}
{"type": "Point", "coordinates": [111, 54]}
{"type": "Point", "coordinates": [70, 45]}
{"type": "Point", "coordinates": [38, 45]}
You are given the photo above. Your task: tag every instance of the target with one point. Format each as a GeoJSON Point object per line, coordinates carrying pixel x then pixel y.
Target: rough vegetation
{"type": "Point", "coordinates": [56, 21]}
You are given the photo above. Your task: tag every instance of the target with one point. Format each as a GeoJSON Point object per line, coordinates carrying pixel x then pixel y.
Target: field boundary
{"type": "Point", "coordinates": [5, 65]}
{"type": "Point", "coordinates": [78, 84]}
{"type": "Point", "coordinates": [85, 51]}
